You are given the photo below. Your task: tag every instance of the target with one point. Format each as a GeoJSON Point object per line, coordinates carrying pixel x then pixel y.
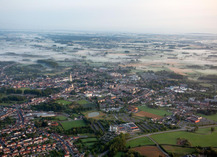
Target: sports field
{"type": "Point", "coordinates": [71, 124]}
{"type": "Point", "coordinates": [159, 112]}
{"type": "Point", "coordinates": [147, 114]}
{"type": "Point", "coordinates": [63, 102]}
{"type": "Point", "coordinates": [143, 141]}
{"type": "Point", "coordinates": [196, 139]}
{"type": "Point", "coordinates": [92, 139]}
{"type": "Point", "coordinates": [61, 118]}
{"type": "Point", "coordinates": [99, 115]}
{"type": "Point", "coordinates": [82, 102]}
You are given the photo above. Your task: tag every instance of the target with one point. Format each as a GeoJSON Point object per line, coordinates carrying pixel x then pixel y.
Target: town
{"type": "Point", "coordinates": [98, 100]}
{"type": "Point", "coordinates": [117, 106]}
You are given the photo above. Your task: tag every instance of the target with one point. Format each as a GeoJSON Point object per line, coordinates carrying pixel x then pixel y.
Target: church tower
{"type": "Point", "coordinates": [70, 77]}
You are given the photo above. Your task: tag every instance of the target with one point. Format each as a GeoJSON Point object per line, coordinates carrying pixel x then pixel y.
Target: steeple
{"type": "Point", "coordinates": [70, 77]}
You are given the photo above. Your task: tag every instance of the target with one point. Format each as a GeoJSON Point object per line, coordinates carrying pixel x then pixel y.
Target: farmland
{"type": "Point", "coordinates": [159, 112]}
{"type": "Point", "coordinates": [70, 124]}
{"type": "Point", "coordinates": [196, 139]}
{"type": "Point", "coordinates": [150, 151]}
{"type": "Point", "coordinates": [178, 151]}
{"type": "Point", "coordinates": [144, 141]}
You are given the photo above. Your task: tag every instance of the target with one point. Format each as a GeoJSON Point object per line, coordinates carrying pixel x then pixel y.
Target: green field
{"type": "Point", "coordinates": [71, 124]}
{"type": "Point", "coordinates": [82, 102]}
{"type": "Point", "coordinates": [178, 151]}
{"type": "Point", "coordinates": [143, 141]}
{"type": "Point", "coordinates": [196, 139]}
{"type": "Point", "coordinates": [160, 112]}
{"type": "Point", "coordinates": [89, 144]}
{"type": "Point", "coordinates": [205, 131]}
{"type": "Point", "coordinates": [63, 102]}
{"type": "Point", "coordinates": [211, 117]}
{"type": "Point", "coordinates": [89, 140]}
{"type": "Point", "coordinates": [119, 154]}
{"type": "Point", "coordinates": [61, 118]}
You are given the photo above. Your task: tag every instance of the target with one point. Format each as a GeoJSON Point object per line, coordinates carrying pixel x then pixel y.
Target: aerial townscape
{"type": "Point", "coordinates": [107, 94]}
{"type": "Point", "coordinates": [108, 78]}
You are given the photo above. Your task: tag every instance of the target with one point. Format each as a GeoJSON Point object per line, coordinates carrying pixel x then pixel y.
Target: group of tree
{"type": "Point", "coordinates": [45, 92]}
{"type": "Point", "coordinates": [10, 91]}
{"type": "Point", "coordinates": [42, 123]}
{"type": "Point", "coordinates": [51, 106]}
{"type": "Point", "coordinates": [11, 98]}
{"type": "Point", "coordinates": [7, 121]}
{"type": "Point", "coordinates": [207, 111]}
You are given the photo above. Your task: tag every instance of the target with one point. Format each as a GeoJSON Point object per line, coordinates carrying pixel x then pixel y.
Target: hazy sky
{"type": "Point", "coordinates": [146, 16]}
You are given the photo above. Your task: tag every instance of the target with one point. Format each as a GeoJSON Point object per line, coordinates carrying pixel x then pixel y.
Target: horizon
{"type": "Point", "coordinates": [138, 16]}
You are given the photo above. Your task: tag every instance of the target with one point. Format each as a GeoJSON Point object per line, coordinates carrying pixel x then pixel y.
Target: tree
{"type": "Point", "coordinates": [212, 129]}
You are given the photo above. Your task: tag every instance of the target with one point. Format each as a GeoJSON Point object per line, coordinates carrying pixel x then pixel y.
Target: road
{"type": "Point", "coordinates": [104, 153]}
{"type": "Point", "coordinates": [67, 145]}
{"type": "Point", "coordinates": [165, 153]}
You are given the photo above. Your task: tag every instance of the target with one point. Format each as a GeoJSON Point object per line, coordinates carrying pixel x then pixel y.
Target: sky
{"type": "Point", "coordinates": [139, 16]}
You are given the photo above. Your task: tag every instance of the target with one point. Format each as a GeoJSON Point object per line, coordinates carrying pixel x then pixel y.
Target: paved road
{"type": "Point", "coordinates": [69, 148]}
{"type": "Point", "coordinates": [104, 153]}
{"type": "Point", "coordinates": [165, 153]}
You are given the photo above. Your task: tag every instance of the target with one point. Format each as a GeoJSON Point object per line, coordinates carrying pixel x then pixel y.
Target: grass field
{"type": "Point", "coordinates": [71, 124]}
{"type": "Point", "coordinates": [160, 112]}
{"type": "Point", "coordinates": [205, 131]}
{"type": "Point", "coordinates": [61, 118]}
{"type": "Point", "coordinates": [63, 102]}
{"type": "Point", "coordinates": [89, 139]}
{"type": "Point", "coordinates": [82, 102]}
{"type": "Point", "coordinates": [89, 144]}
{"type": "Point", "coordinates": [196, 139]}
{"type": "Point", "coordinates": [178, 151]}
{"type": "Point", "coordinates": [211, 117]}
{"type": "Point", "coordinates": [143, 141]}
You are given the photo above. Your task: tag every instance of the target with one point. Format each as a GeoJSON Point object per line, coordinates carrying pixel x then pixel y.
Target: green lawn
{"type": "Point", "coordinates": [160, 112]}
{"type": "Point", "coordinates": [63, 102]}
{"type": "Point", "coordinates": [89, 144]}
{"type": "Point", "coordinates": [178, 151]}
{"type": "Point", "coordinates": [82, 102]}
{"type": "Point", "coordinates": [89, 139]}
{"type": "Point", "coordinates": [195, 139]}
{"type": "Point", "coordinates": [61, 118]}
{"type": "Point", "coordinates": [71, 124]}
{"type": "Point", "coordinates": [205, 130]}
{"type": "Point", "coordinates": [211, 117]}
{"type": "Point", "coordinates": [143, 141]}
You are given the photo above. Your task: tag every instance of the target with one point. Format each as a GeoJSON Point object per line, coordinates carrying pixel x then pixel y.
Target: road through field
{"type": "Point", "coordinates": [161, 132]}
